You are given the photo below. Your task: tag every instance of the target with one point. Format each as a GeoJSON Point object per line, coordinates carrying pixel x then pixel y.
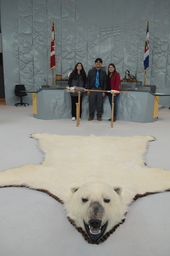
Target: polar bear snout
{"type": "Point", "coordinates": [94, 227]}
{"type": "Point", "coordinates": [96, 211]}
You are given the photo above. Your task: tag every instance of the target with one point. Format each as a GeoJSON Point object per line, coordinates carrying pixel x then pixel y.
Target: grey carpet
{"type": "Point", "coordinates": [32, 223]}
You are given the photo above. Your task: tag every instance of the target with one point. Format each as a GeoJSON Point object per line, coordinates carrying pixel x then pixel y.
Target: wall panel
{"type": "Point", "coordinates": [84, 30]}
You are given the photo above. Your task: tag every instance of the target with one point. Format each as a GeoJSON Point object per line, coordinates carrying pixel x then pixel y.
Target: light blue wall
{"type": "Point", "coordinates": [84, 29]}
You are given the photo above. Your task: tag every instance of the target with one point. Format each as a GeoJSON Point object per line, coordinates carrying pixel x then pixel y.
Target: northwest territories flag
{"type": "Point", "coordinates": [146, 50]}
{"type": "Point", "coordinates": [52, 53]}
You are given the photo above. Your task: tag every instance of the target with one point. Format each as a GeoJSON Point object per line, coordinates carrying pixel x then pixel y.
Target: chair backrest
{"type": "Point", "coordinates": [20, 90]}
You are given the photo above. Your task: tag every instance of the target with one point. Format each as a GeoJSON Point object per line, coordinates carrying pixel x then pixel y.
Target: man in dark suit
{"type": "Point", "coordinates": [96, 80]}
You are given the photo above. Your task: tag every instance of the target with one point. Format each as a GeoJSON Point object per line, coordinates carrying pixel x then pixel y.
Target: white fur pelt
{"type": "Point", "coordinates": [71, 161]}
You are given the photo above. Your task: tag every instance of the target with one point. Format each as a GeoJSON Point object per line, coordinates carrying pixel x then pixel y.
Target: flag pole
{"type": "Point", "coordinates": [52, 76]}
{"type": "Point", "coordinates": [144, 82]}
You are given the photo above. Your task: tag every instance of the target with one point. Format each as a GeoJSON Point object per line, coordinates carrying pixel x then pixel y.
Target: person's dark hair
{"type": "Point", "coordinates": [113, 65]}
{"type": "Point", "coordinates": [73, 74]}
{"type": "Point", "coordinates": [99, 59]}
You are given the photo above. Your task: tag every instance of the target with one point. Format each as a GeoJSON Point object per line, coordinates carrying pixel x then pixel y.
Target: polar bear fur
{"type": "Point", "coordinates": [108, 163]}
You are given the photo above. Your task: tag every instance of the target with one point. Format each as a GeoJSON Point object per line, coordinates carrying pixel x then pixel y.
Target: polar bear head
{"type": "Point", "coordinates": [95, 207]}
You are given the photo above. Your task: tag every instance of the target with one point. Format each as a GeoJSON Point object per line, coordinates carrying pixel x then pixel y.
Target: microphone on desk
{"type": "Point", "coordinates": [45, 81]}
{"type": "Point", "coordinates": [46, 84]}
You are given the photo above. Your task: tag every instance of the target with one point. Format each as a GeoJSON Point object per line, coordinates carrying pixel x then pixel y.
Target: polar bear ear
{"type": "Point", "coordinates": [118, 190]}
{"type": "Point", "coordinates": [73, 190]}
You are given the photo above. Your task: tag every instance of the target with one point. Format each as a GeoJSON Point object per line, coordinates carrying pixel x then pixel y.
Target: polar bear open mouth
{"type": "Point", "coordinates": [94, 229]}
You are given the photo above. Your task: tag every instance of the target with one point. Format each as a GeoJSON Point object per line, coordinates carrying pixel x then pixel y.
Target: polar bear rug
{"type": "Point", "coordinates": [96, 178]}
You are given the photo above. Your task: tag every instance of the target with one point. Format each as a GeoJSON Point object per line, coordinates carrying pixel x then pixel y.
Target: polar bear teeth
{"type": "Point", "coordinates": [95, 231]}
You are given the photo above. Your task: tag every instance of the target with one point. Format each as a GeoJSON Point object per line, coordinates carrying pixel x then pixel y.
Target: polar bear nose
{"type": "Point", "coordinates": [95, 223]}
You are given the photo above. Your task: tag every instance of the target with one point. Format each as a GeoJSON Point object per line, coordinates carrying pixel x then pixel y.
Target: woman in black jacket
{"type": "Point", "coordinates": [77, 78]}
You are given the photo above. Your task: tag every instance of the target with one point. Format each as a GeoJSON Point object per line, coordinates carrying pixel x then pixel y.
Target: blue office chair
{"type": "Point", "coordinates": [20, 91]}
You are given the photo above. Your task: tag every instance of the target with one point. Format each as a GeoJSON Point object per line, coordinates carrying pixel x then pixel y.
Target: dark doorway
{"type": "Point", "coordinates": [2, 90]}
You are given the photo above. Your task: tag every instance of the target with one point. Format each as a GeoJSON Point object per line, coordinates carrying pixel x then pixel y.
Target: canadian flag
{"type": "Point", "coordinates": [52, 53]}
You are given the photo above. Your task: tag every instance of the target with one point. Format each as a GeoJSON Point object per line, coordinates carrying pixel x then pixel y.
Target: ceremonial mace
{"type": "Point", "coordinates": [78, 90]}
